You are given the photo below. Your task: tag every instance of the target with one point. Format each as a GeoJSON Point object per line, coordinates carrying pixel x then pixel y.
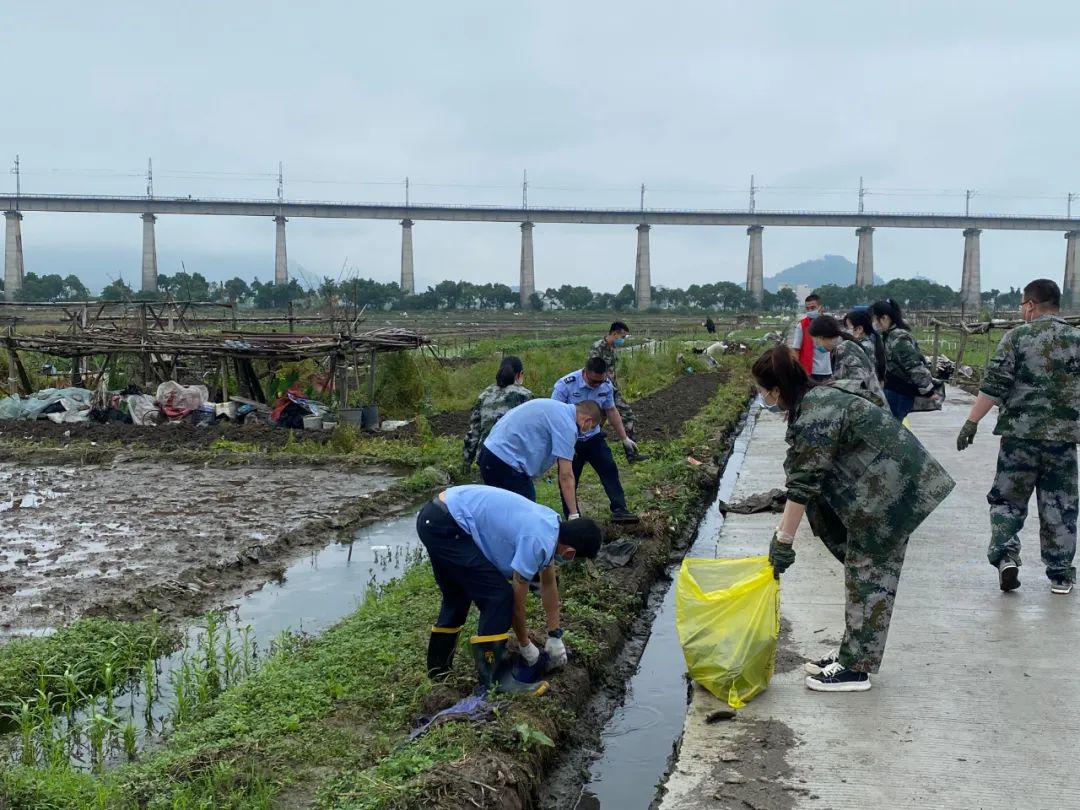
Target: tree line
{"type": "Point", "coordinates": [721, 296]}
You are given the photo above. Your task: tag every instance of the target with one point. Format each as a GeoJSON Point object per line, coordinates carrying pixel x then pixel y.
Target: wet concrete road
{"type": "Point", "coordinates": [974, 705]}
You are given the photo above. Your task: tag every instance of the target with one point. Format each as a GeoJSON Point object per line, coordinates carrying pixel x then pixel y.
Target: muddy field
{"type": "Point", "coordinates": [658, 415]}
{"type": "Point", "coordinates": [76, 540]}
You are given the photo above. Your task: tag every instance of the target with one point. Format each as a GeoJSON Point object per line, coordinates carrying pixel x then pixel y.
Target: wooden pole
{"type": "Point", "coordinates": [224, 380]}
{"type": "Point", "coordinates": [937, 347]}
{"type": "Point", "coordinates": [371, 379]}
{"type": "Point", "coordinates": [13, 380]}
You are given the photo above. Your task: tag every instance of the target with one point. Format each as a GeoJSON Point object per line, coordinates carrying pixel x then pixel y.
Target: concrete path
{"type": "Point", "coordinates": [975, 705]}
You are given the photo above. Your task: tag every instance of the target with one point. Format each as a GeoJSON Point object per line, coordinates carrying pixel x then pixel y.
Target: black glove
{"type": "Point", "coordinates": [781, 556]}
{"type": "Point", "coordinates": [967, 435]}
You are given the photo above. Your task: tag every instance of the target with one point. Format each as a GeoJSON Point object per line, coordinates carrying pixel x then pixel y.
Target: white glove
{"type": "Point", "coordinates": [556, 651]}
{"type": "Point", "coordinates": [574, 516]}
{"type": "Point", "coordinates": [531, 653]}
{"type": "Point", "coordinates": [630, 445]}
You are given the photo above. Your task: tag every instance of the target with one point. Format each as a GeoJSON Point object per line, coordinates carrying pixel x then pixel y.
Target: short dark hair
{"type": "Point", "coordinates": [1043, 292]}
{"type": "Point", "coordinates": [591, 408]}
{"type": "Point", "coordinates": [597, 365]}
{"type": "Point", "coordinates": [812, 297]}
{"type": "Point", "coordinates": [779, 368]}
{"type": "Point", "coordinates": [509, 368]}
{"type": "Point", "coordinates": [619, 326]}
{"type": "Point", "coordinates": [825, 326]}
{"type": "Point", "coordinates": [582, 534]}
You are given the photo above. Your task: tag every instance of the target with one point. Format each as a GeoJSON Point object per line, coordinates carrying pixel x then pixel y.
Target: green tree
{"type": "Point", "coordinates": [116, 291]}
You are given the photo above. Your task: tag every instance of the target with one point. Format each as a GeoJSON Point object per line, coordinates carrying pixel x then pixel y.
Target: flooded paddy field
{"type": "Point", "coordinates": [126, 537]}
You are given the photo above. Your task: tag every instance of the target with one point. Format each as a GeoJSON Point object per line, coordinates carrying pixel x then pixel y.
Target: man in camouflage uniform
{"type": "Point", "coordinates": [492, 404]}
{"type": "Point", "coordinates": [605, 349]}
{"type": "Point", "coordinates": [1034, 379]}
{"type": "Point", "coordinates": [865, 483]}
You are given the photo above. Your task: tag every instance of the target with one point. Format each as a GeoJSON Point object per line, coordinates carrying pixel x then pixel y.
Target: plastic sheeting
{"type": "Point", "coordinates": [74, 402]}
{"type": "Point", "coordinates": [179, 400]}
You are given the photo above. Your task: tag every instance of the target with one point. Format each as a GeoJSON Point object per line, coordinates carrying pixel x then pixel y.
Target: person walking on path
{"type": "Point", "coordinates": [591, 384]}
{"type": "Point", "coordinates": [485, 545]}
{"type": "Point", "coordinates": [605, 349]}
{"type": "Point", "coordinates": [848, 359]}
{"type": "Point", "coordinates": [1034, 379]}
{"type": "Point", "coordinates": [492, 404]}
{"type": "Point", "coordinates": [906, 375]}
{"type": "Point", "coordinates": [860, 326]}
{"type": "Point", "coordinates": [532, 437]}
{"type": "Point", "coordinates": [815, 362]}
{"type": "Point", "coordinates": [865, 484]}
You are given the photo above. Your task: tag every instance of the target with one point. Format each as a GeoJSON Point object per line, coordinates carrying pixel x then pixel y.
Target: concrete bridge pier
{"type": "Point", "coordinates": [864, 264]}
{"type": "Point", "coordinates": [408, 281]}
{"type": "Point", "coordinates": [13, 255]}
{"type": "Point", "coordinates": [149, 254]}
{"type": "Point", "coordinates": [642, 271]}
{"type": "Point", "coordinates": [281, 258]}
{"type": "Point", "coordinates": [527, 277]}
{"type": "Point", "coordinates": [1070, 288]}
{"type": "Point", "coordinates": [971, 281]}
{"type": "Point", "coordinates": [755, 268]}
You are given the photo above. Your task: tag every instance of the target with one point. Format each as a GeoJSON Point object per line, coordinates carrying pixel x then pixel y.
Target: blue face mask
{"type": "Point", "coordinates": [813, 313]}
{"type": "Point", "coordinates": [821, 350]}
{"type": "Point", "coordinates": [560, 559]}
{"type": "Point", "coordinates": [620, 341]}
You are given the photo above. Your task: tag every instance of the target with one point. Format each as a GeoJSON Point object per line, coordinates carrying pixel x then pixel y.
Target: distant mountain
{"type": "Point", "coordinates": [817, 272]}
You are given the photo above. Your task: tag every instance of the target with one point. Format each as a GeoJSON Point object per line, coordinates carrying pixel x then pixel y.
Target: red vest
{"type": "Point", "coordinates": [806, 350]}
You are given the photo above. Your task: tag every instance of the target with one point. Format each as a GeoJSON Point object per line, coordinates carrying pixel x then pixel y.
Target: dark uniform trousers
{"type": "Point", "coordinates": [497, 473]}
{"type": "Point", "coordinates": [595, 452]}
{"type": "Point", "coordinates": [463, 574]}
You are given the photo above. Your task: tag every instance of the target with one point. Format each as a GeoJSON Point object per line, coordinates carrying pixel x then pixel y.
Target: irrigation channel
{"type": "Point", "coordinates": [642, 730]}
{"type": "Point", "coordinates": [314, 593]}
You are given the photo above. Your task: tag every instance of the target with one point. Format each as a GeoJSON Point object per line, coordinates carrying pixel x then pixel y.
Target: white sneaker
{"type": "Point", "coordinates": [815, 667]}
{"type": "Point", "coordinates": [1060, 586]}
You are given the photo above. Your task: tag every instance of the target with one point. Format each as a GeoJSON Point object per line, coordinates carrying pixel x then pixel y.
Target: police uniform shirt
{"type": "Point", "coordinates": [574, 389]}
{"type": "Point", "coordinates": [531, 436]}
{"type": "Point", "coordinates": [514, 533]}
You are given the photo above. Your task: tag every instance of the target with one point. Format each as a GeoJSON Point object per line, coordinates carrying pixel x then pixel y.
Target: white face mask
{"type": "Point", "coordinates": [813, 313]}
{"type": "Point", "coordinates": [771, 408]}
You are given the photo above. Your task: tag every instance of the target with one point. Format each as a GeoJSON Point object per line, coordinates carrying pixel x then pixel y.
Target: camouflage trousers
{"type": "Point", "coordinates": [625, 413]}
{"type": "Point", "coordinates": [872, 558]}
{"type": "Point", "coordinates": [1048, 469]}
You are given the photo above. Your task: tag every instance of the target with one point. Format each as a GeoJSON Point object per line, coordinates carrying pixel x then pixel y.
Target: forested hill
{"type": "Point", "coordinates": [817, 273]}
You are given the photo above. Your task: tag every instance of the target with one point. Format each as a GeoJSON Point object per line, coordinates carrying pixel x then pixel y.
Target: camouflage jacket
{"type": "Point", "coordinates": [856, 458]}
{"type": "Point", "coordinates": [602, 348]}
{"type": "Point", "coordinates": [849, 362]}
{"type": "Point", "coordinates": [1035, 377]}
{"type": "Point", "coordinates": [904, 363]}
{"type": "Point", "coordinates": [490, 407]}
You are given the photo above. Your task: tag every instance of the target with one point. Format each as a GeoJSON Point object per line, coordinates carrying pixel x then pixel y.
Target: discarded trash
{"type": "Point", "coordinates": [474, 709]}
{"type": "Point", "coordinates": [727, 614]}
{"type": "Point", "coordinates": [720, 714]}
{"type": "Point", "coordinates": [771, 501]}
{"type": "Point", "coordinates": [617, 553]}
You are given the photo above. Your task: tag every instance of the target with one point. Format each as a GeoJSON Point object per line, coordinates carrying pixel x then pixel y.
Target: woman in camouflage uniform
{"type": "Point", "coordinates": [861, 327]}
{"type": "Point", "coordinates": [906, 375]}
{"type": "Point", "coordinates": [492, 404]}
{"type": "Point", "coordinates": [849, 360]}
{"type": "Point", "coordinates": [865, 484]}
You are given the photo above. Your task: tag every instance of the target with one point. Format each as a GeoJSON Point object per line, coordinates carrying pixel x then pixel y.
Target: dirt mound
{"type": "Point", "coordinates": [663, 413]}
{"type": "Point", "coordinates": [169, 436]}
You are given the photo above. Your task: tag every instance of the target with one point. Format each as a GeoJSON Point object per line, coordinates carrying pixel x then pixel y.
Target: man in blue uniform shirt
{"type": "Point", "coordinates": [532, 437]}
{"type": "Point", "coordinates": [590, 384]}
{"type": "Point", "coordinates": [485, 545]}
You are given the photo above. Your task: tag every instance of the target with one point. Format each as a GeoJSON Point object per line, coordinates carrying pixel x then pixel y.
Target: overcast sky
{"type": "Point", "coordinates": [592, 98]}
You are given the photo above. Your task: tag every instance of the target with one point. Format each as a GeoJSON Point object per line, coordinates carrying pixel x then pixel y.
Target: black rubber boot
{"type": "Point", "coordinates": [493, 669]}
{"type": "Point", "coordinates": [440, 652]}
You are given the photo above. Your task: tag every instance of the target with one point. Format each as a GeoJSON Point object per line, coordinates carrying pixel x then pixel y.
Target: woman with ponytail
{"type": "Point", "coordinates": [861, 326]}
{"type": "Point", "coordinates": [849, 360]}
{"type": "Point", "coordinates": [865, 484]}
{"type": "Point", "coordinates": [906, 374]}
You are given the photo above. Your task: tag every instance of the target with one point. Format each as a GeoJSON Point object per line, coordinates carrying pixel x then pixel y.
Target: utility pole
{"type": "Point", "coordinates": [280, 183]}
{"type": "Point", "coordinates": [753, 191]}
{"type": "Point", "coordinates": [406, 191]}
{"type": "Point", "coordinates": [150, 178]}
{"type": "Point", "coordinates": [1068, 204]}
{"type": "Point", "coordinates": [862, 193]}
{"type": "Point", "coordinates": [524, 188]}
{"type": "Point", "coordinates": [642, 196]}
{"type": "Point", "coordinates": [18, 179]}
{"type": "Point", "coordinates": [967, 201]}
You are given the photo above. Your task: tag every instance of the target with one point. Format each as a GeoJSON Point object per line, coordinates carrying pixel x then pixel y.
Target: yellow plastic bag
{"type": "Point", "coordinates": [727, 614]}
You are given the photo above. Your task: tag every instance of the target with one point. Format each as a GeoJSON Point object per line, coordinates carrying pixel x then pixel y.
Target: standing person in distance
{"type": "Point", "coordinates": [906, 375]}
{"type": "Point", "coordinates": [865, 483]}
{"type": "Point", "coordinates": [815, 361]}
{"type": "Point", "coordinates": [605, 348]}
{"type": "Point", "coordinates": [860, 326]}
{"type": "Point", "coordinates": [1034, 379]}
{"type": "Point", "coordinates": [848, 359]}
{"type": "Point", "coordinates": [710, 325]}
{"type": "Point", "coordinates": [492, 404]}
